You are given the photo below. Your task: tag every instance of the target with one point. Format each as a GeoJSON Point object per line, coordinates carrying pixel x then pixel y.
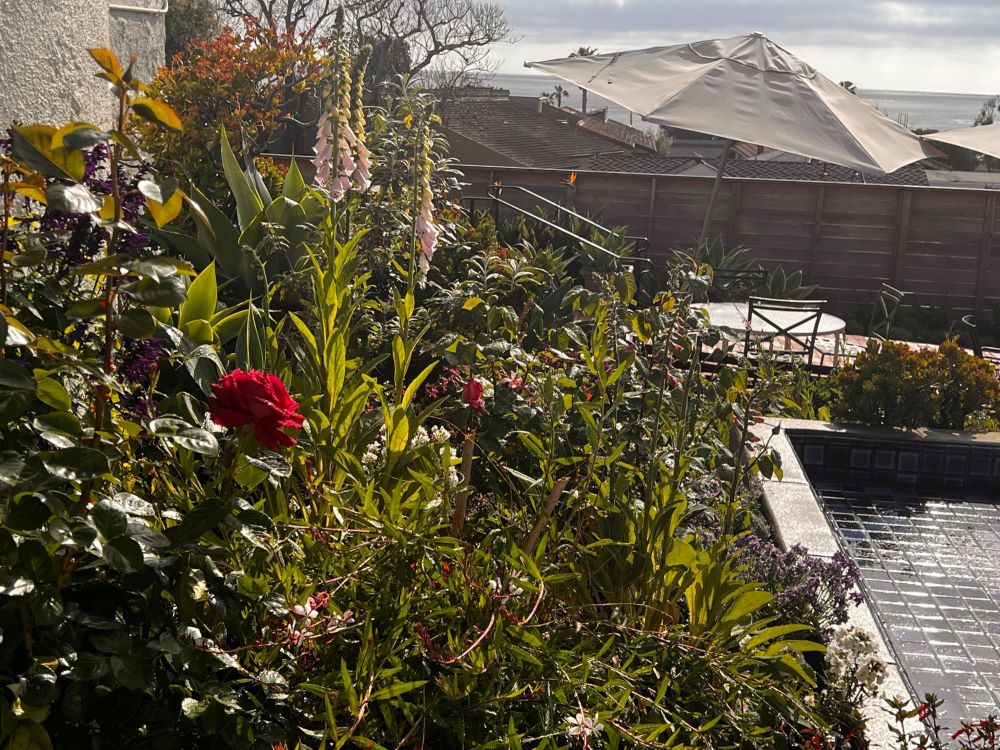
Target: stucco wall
{"type": "Point", "coordinates": [46, 74]}
{"type": "Point", "coordinates": [140, 32]}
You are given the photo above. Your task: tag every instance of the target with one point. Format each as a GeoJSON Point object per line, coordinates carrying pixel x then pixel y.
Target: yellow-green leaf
{"type": "Point", "coordinates": [52, 393]}
{"type": "Point", "coordinates": [472, 303]}
{"type": "Point", "coordinates": [108, 61]}
{"type": "Point", "coordinates": [156, 111]}
{"type": "Point", "coordinates": [202, 298]}
{"type": "Point", "coordinates": [164, 213]}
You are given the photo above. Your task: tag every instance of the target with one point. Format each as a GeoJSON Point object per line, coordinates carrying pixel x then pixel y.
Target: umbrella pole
{"type": "Point", "coordinates": [715, 190]}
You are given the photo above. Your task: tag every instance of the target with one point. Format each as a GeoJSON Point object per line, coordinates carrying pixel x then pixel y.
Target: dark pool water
{"type": "Point", "coordinates": [930, 563]}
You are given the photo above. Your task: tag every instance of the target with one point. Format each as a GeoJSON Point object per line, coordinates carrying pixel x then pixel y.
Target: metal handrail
{"type": "Point", "coordinates": [641, 243]}
{"type": "Point", "coordinates": [497, 202]}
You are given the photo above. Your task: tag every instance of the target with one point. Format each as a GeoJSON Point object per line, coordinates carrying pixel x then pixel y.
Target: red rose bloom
{"type": "Point", "coordinates": [258, 399]}
{"type": "Point", "coordinates": [472, 394]}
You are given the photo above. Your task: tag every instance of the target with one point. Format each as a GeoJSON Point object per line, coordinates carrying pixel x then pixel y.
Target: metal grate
{"type": "Point", "coordinates": [930, 564]}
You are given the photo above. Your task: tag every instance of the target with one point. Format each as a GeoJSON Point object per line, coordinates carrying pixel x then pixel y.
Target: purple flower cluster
{"type": "Point", "coordinates": [137, 361]}
{"type": "Point", "coordinates": [806, 589]}
{"type": "Point", "coordinates": [138, 357]}
{"type": "Point", "coordinates": [86, 237]}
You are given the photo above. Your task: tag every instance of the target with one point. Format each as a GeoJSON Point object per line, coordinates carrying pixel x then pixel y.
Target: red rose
{"type": "Point", "coordinates": [258, 399]}
{"type": "Point", "coordinates": [472, 394]}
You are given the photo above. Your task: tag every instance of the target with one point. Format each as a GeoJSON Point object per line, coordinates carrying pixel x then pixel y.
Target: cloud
{"type": "Point", "coordinates": [914, 44]}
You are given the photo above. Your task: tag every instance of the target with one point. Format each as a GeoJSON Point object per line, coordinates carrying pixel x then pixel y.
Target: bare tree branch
{"type": "Point", "coordinates": [447, 42]}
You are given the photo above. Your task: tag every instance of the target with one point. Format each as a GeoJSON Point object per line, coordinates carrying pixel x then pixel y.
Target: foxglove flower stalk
{"type": "Point", "coordinates": [427, 232]}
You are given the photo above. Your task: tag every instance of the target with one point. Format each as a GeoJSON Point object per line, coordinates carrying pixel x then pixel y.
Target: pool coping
{"type": "Point", "coordinates": [797, 518]}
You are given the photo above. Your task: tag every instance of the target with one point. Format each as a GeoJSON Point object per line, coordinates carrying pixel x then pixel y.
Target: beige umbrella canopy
{"type": "Point", "coordinates": [985, 139]}
{"type": "Point", "coordinates": [746, 88]}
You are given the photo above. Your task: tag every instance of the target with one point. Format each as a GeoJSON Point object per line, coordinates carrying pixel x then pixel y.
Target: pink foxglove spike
{"type": "Point", "coordinates": [428, 234]}
{"type": "Point", "coordinates": [324, 151]}
{"type": "Point", "coordinates": [364, 174]}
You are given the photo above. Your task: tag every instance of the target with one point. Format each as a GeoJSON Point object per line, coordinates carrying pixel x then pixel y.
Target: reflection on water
{"type": "Point", "coordinates": [930, 563]}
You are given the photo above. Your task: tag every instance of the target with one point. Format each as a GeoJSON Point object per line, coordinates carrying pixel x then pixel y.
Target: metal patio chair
{"type": "Point", "coordinates": [880, 321]}
{"type": "Point", "coordinates": [785, 328]}
{"type": "Point", "coordinates": [990, 353]}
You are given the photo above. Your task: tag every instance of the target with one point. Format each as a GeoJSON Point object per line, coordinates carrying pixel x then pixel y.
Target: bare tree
{"type": "Point", "coordinates": [446, 41]}
{"type": "Point", "coordinates": [306, 17]}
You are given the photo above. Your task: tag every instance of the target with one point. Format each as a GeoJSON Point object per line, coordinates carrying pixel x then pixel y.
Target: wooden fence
{"type": "Point", "coordinates": [935, 243]}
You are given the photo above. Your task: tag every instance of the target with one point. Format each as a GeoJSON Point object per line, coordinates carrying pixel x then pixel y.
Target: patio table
{"type": "Point", "coordinates": [733, 316]}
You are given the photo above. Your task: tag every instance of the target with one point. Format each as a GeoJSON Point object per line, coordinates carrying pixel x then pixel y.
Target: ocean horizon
{"type": "Point", "coordinates": [913, 109]}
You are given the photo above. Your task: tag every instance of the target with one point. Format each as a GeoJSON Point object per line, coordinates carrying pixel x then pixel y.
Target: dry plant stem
{"type": "Point", "coordinates": [528, 545]}
{"type": "Point", "coordinates": [462, 499]}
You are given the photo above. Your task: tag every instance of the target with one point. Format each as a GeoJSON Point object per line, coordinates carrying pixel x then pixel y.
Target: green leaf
{"type": "Point", "coordinates": [72, 199]}
{"type": "Point", "coordinates": [33, 146]}
{"type": "Point", "coordinates": [294, 185]}
{"type": "Point", "coordinates": [203, 518]}
{"type": "Point", "coordinates": [218, 236]}
{"type": "Point", "coordinates": [77, 135]}
{"type": "Point", "coordinates": [273, 463]}
{"type": "Point", "coordinates": [76, 463]}
{"type": "Point", "coordinates": [248, 202]}
{"type": "Point", "coordinates": [184, 435]}
{"type": "Point", "coordinates": [251, 345]}
{"type": "Point", "coordinates": [15, 377]}
{"type": "Point", "coordinates": [123, 554]}
{"type": "Point", "coordinates": [397, 689]}
{"type": "Point", "coordinates": [202, 298]}
{"type": "Point", "coordinates": [52, 393]}
{"type": "Point", "coordinates": [166, 293]}
{"type": "Point", "coordinates": [109, 520]}
{"type": "Point", "coordinates": [137, 323]}
{"type": "Point", "coordinates": [158, 112]}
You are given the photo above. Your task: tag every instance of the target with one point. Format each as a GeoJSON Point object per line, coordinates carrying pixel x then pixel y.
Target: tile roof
{"type": "Point", "coordinates": [514, 128]}
{"type": "Point", "coordinates": [809, 171]}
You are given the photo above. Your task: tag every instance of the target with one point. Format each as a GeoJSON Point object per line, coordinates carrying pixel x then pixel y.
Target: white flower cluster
{"type": "Point", "coordinates": [853, 663]}
{"type": "Point", "coordinates": [582, 726]}
{"type": "Point", "coordinates": [374, 455]}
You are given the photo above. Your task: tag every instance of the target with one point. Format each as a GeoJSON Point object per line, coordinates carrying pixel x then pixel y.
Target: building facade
{"type": "Point", "coordinates": [46, 74]}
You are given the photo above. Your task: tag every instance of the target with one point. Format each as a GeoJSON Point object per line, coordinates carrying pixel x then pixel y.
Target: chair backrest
{"type": "Point", "coordinates": [970, 326]}
{"type": "Point", "coordinates": [735, 284]}
{"type": "Point", "coordinates": [790, 323]}
{"type": "Point", "coordinates": [884, 312]}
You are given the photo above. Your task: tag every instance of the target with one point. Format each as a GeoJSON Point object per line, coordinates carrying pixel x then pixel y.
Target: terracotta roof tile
{"type": "Point", "coordinates": [515, 128]}
{"type": "Point", "coordinates": [809, 171]}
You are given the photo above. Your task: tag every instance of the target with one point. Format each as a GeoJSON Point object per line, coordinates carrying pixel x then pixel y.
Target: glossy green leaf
{"type": "Point", "coordinates": [248, 202]}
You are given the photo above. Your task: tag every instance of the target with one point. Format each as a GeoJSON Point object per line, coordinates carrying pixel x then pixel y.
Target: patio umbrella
{"type": "Point", "coordinates": [746, 88]}
{"type": "Point", "coordinates": [984, 139]}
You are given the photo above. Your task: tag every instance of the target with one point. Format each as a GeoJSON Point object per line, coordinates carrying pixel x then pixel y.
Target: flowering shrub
{"type": "Point", "coordinates": [808, 589]}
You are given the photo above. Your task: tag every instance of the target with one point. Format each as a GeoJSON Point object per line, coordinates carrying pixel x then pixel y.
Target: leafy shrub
{"type": "Point", "coordinates": [255, 83]}
{"type": "Point", "coordinates": [894, 385]}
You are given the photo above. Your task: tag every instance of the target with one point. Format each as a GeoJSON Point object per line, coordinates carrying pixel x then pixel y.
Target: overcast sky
{"type": "Point", "coordinates": [918, 45]}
